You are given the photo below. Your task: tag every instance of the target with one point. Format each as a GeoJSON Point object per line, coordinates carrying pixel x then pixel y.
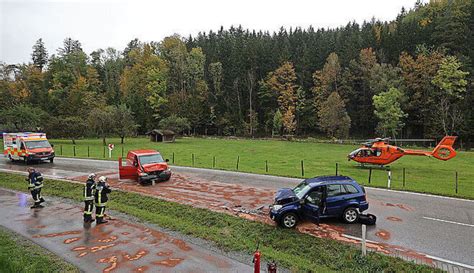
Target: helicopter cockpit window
{"type": "Point", "coordinates": [378, 152]}
{"type": "Point", "coordinates": [365, 153]}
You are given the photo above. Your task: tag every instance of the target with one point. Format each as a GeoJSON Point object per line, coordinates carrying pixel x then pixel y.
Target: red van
{"type": "Point", "coordinates": [146, 166]}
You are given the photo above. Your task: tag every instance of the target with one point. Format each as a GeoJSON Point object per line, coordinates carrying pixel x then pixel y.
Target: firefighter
{"type": "Point", "coordinates": [101, 191]}
{"type": "Point", "coordinates": [89, 190]}
{"type": "Point", "coordinates": [35, 183]}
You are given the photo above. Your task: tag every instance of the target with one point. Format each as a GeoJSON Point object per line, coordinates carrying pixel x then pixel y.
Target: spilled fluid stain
{"type": "Point", "coordinates": [100, 248]}
{"type": "Point", "coordinates": [112, 261]}
{"type": "Point", "coordinates": [164, 253]}
{"type": "Point", "coordinates": [79, 248]}
{"type": "Point", "coordinates": [400, 206]}
{"type": "Point", "coordinates": [138, 255]}
{"type": "Point", "coordinates": [108, 240]}
{"type": "Point", "coordinates": [181, 244]}
{"type": "Point", "coordinates": [394, 219]}
{"type": "Point", "coordinates": [71, 240]}
{"type": "Point", "coordinates": [58, 234]}
{"type": "Point", "coordinates": [42, 226]}
{"type": "Point", "coordinates": [141, 269]}
{"type": "Point", "coordinates": [169, 262]}
{"type": "Point", "coordinates": [383, 234]}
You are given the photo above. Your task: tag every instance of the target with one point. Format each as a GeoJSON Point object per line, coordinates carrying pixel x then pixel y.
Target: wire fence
{"type": "Point", "coordinates": [438, 181]}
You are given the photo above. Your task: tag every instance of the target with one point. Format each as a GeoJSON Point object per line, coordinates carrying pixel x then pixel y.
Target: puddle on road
{"type": "Point", "coordinates": [400, 206]}
{"type": "Point", "coordinates": [394, 219]}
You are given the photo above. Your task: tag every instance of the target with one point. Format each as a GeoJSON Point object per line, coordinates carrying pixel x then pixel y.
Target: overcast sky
{"type": "Point", "coordinates": [106, 23]}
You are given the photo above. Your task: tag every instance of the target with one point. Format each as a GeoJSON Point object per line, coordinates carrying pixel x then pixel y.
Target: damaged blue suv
{"type": "Point", "coordinates": [318, 198]}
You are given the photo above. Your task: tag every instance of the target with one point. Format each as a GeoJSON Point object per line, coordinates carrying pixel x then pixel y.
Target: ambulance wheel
{"type": "Point", "coordinates": [10, 157]}
{"type": "Point", "coordinates": [26, 160]}
{"type": "Point", "coordinates": [51, 160]}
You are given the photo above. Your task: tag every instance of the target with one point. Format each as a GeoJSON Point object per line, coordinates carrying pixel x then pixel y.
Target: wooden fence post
{"type": "Point", "coordinates": [370, 174]}
{"type": "Point", "coordinates": [302, 168]}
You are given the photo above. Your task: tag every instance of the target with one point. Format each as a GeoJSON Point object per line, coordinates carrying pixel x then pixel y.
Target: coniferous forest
{"type": "Point", "coordinates": [411, 77]}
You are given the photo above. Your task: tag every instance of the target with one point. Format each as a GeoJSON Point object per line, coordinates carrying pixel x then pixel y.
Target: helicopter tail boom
{"type": "Point", "coordinates": [443, 151]}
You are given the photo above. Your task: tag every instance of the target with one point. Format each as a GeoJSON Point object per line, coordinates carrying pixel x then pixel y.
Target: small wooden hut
{"type": "Point", "coordinates": [161, 135]}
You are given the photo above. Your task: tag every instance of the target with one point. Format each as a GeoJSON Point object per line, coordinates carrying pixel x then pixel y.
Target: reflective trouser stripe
{"type": "Point", "coordinates": [88, 208]}
{"type": "Point", "coordinates": [36, 194]}
{"type": "Point", "coordinates": [99, 213]}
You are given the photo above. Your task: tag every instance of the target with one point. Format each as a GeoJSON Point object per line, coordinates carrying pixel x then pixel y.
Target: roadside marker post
{"type": "Point", "coordinates": [61, 149]}
{"type": "Point", "coordinates": [213, 162]}
{"type": "Point", "coordinates": [238, 160]}
{"type": "Point", "coordinates": [266, 166]}
{"type": "Point", "coordinates": [173, 157]}
{"type": "Point", "coordinates": [337, 168]}
{"type": "Point", "coordinates": [88, 151]}
{"type": "Point", "coordinates": [389, 179]}
{"type": "Point", "coordinates": [364, 246]}
{"type": "Point", "coordinates": [192, 155]}
{"type": "Point", "coordinates": [111, 147]}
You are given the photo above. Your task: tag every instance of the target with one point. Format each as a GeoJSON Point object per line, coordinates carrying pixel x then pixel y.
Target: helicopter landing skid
{"type": "Point", "coordinates": [373, 166]}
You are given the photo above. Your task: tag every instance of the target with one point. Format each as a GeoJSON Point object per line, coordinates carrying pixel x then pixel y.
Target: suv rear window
{"type": "Point", "coordinates": [350, 189]}
{"type": "Point", "coordinates": [335, 190]}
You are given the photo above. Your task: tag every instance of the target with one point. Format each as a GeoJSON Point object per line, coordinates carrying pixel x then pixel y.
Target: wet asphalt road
{"type": "Point", "coordinates": [438, 226]}
{"type": "Point", "coordinates": [118, 246]}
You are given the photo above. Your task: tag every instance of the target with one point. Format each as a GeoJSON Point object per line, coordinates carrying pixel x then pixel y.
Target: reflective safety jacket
{"type": "Point", "coordinates": [89, 190]}
{"type": "Point", "coordinates": [35, 180]}
{"type": "Point", "coordinates": [101, 192]}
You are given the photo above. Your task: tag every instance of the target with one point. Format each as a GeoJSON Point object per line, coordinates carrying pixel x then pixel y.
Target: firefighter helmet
{"type": "Point", "coordinates": [103, 179]}
{"type": "Point", "coordinates": [92, 176]}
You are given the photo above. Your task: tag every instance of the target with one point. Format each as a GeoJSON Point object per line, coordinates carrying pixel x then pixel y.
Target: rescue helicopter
{"type": "Point", "coordinates": [379, 152]}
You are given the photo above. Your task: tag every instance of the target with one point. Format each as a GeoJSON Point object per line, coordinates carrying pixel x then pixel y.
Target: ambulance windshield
{"type": "Point", "coordinates": [37, 144]}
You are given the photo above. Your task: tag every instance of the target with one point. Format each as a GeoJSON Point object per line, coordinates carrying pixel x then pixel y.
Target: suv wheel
{"type": "Point", "coordinates": [350, 215]}
{"type": "Point", "coordinates": [289, 220]}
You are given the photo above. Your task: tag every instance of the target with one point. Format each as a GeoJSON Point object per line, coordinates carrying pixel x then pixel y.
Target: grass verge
{"type": "Point", "coordinates": [284, 158]}
{"type": "Point", "coordinates": [299, 252]}
{"type": "Point", "coordinates": [18, 254]}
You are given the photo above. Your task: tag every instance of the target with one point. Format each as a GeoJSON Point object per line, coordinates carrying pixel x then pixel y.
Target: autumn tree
{"type": "Point", "coordinates": [101, 121]}
{"type": "Point", "coordinates": [451, 83]}
{"type": "Point", "coordinates": [333, 118]}
{"type": "Point", "coordinates": [326, 80]}
{"type": "Point", "coordinates": [389, 112]}
{"type": "Point", "coordinates": [283, 82]}
{"type": "Point", "coordinates": [143, 86]}
{"type": "Point", "coordinates": [125, 125]}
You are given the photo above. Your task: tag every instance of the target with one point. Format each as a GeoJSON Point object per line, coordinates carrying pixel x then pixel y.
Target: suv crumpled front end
{"type": "Point", "coordinates": [285, 199]}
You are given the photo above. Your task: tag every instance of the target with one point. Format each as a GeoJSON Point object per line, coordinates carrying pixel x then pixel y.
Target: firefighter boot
{"type": "Point", "coordinates": [100, 220]}
{"type": "Point", "coordinates": [41, 200]}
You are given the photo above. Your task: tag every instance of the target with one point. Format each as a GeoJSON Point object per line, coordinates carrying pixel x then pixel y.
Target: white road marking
{"type": "Point", "coordinates": [446, 221]}
{"type": "Point", "coordinates": [428, 256]}
{"type": "Point", "coordinates": [421, 194]}
{"type": "Point", "coordinates": [450, 262]}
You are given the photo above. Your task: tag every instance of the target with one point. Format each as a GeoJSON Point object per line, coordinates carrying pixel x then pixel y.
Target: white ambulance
{"type": "Point", "coordinates": [27, 147]}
